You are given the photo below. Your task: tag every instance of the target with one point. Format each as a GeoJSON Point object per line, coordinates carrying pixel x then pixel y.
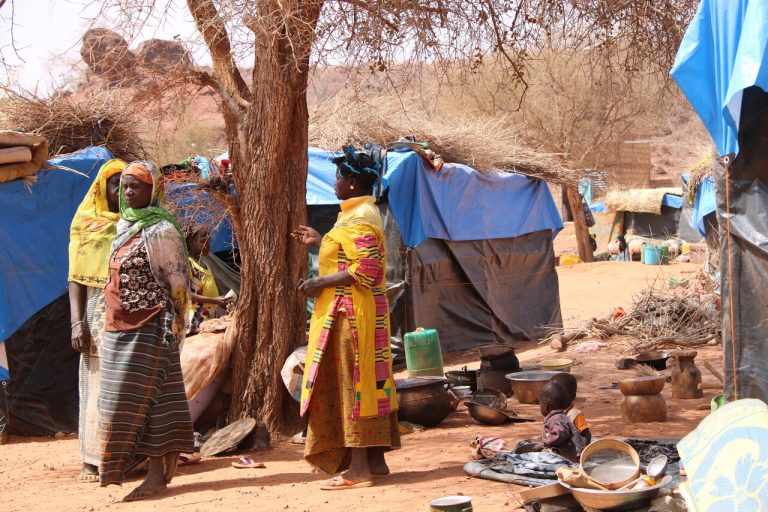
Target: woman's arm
{"type": "Point", "coordinates": [313, 287]}
{"type": "Point", "coordinates": [77, 308]}
{"type": "Point", "coordinates": [222, 301]}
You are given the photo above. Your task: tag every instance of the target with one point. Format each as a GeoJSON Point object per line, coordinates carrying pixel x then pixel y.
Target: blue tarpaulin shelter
{"type": "Point", "coordinates": [722, 67]}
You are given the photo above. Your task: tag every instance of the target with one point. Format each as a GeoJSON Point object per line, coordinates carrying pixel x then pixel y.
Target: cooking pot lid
{"type": "Point", "coordinates": [415, 382]}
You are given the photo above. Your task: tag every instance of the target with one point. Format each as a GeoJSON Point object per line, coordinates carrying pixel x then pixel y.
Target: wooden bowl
{"type": "Point", "coordinates": [642, 385]}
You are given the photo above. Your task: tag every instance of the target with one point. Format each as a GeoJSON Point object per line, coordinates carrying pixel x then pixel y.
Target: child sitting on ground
{"type": "Point", "coordinates": [568, 381]}
{"type": "Point", "coordinates": [559, 435]}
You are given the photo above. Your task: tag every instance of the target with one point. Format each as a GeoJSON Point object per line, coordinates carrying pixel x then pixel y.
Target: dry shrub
{"type": "Point", "coordinates": [486, 143]}
{"type": "Point", "coordinates": [102, 118]}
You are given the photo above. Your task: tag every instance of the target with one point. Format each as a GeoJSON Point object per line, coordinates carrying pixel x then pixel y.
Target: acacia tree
{"type": "Point", "coordinates": [266, 117]}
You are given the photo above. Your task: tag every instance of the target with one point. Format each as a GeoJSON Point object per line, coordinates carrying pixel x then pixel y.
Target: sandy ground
{"type": "Point", "coordinates": [39, 474]}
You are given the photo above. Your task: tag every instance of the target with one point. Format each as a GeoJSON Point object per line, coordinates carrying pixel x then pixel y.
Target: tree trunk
{"type": "Point", "coordinates": [270, 173]}
{"type": "Point", "coordinates": [580, 224]}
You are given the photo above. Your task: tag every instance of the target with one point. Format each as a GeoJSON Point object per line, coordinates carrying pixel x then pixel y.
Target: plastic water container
{"type": "Point", "coordinates": [423, 355]}
{"type": "Point", "coordinates": [652, 255]}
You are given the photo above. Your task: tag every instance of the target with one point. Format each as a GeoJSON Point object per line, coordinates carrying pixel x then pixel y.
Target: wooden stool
{"type": "Point", "coordinates": [642, 401]}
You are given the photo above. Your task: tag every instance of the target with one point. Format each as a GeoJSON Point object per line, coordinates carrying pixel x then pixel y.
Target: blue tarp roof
{"type": "Point", "coordinates": [722, 53]}
{"type": "Point", "coordinates": [35, 235]}
{"type": "Point", "coordinates": [459, 203]}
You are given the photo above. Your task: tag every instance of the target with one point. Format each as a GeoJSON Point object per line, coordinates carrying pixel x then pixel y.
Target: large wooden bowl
{"type": "Point", "coordinates": [642, 385]}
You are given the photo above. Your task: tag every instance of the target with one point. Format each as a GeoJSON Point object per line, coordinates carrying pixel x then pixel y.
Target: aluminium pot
{"type": "Point", "coordinates": [423, 400]}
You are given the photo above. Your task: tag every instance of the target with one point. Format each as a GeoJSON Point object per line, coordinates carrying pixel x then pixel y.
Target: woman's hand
{"type": "Point", "coordinates": [221, 301]}
{"type": "Point", "coordinates": [80, 337]}
{"type": "Point", "coordinates": [307, 235]}
{"type": "Point", "coordinates": [312, 287]}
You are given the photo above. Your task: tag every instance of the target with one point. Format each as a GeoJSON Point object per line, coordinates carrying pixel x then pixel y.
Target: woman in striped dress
{"type": "Point", "coordinates": [143, 406]}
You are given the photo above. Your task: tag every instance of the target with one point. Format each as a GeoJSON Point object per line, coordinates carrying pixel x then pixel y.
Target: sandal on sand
{"type": "Point", "coordinates": [247, 462]}
{"type": "Point", "coordinates": [86, 476]}
{"type": "Point", "coordinates": [186, 460]}
{"type": "Point", "coordinates": [338, 483]}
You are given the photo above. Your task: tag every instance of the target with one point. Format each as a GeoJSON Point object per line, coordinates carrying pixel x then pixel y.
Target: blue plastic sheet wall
{"type": "Point", "coordinates": [35, 235]}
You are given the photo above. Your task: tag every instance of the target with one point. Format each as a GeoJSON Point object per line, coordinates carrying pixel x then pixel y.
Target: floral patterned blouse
{"type": "Point", "coordinates": [133, 296]}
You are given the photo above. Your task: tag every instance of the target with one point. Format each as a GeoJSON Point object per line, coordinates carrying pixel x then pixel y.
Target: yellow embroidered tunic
{"type": "Point", "coordinates": [356, 245]}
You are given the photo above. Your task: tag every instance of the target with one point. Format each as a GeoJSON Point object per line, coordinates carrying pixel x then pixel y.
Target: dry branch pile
{"type": "Point", "coordinates": [686, 316]}
{"type": "Point", "coordinates": [483, 142]}
{"type": "Point", "coordinates": [102, 119]}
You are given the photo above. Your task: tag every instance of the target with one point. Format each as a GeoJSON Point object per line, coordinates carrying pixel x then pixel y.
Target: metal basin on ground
{"type": "Point", "coordinates": [528, 385]}
{"type": "Point", "coordinates": [594, 499]}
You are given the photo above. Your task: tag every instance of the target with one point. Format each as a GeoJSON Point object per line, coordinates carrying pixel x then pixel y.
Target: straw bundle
{"type": "Point", "coordinates": [480, 141]}
{"type": "Point", "coordinates": [100, 119]}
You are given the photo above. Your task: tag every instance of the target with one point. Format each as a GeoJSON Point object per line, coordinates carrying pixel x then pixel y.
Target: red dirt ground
{"type": "Point", "coordinates": [39, 473]}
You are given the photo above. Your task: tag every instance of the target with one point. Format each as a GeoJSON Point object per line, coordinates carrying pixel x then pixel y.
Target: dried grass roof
{"type": "Point", "coordinates": [70, 124]}
{"type": "Point", "coordinates": [483, 142]}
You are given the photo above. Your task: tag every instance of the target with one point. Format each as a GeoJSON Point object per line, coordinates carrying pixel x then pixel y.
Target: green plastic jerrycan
{"type": "Point", "coordinates": [423, 355]}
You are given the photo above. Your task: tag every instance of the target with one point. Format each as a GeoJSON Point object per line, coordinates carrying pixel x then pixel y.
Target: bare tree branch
{"type": "Point", "coordinates": [214, 32]}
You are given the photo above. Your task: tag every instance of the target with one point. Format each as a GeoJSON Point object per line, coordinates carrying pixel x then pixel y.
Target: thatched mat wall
{"type": "Point", "coordinates": [638, 200]}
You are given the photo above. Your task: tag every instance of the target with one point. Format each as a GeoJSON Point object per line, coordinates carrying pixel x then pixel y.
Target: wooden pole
{"type": "Point", "coordinates": [580, 224]}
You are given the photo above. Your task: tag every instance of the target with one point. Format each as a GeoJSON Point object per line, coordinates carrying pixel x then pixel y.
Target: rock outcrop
{"type": "Point", "coordinates": [106, 53]}
{"type": "Point", "coordinates": [160, 54]}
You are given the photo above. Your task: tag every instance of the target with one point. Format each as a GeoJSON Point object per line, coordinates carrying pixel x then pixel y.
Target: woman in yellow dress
{"type": "Point", "coordinates": [348, 388]}
{"type": "Point", "coordinates": [90, 241]}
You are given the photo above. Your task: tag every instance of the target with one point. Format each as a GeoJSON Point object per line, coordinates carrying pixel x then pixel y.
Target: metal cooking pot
{"type": "Point", "coordinates": [528, 385]}
{"type": "Point", "coordinates": [423, 400]}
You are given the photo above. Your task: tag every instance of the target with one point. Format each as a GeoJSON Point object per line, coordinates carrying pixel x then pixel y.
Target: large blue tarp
{"type": "Point", "coordinates": [722, 53]}
{"type": "Point", "coordinates": [459, 203]}
{"type": "Point", "coordinates": [35, 235]}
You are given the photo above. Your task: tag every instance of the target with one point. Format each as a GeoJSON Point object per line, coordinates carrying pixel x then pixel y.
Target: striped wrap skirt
{"type": "Point", "coordinates": [143, 406]}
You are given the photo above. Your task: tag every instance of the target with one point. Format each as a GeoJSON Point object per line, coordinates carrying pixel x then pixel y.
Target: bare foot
{"type": "Point", "coordinates": [147, 489]}
{"type": "Point", "coordinates": [376, 463]}
{"type": "Point", "coordinates": [171, 462]}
